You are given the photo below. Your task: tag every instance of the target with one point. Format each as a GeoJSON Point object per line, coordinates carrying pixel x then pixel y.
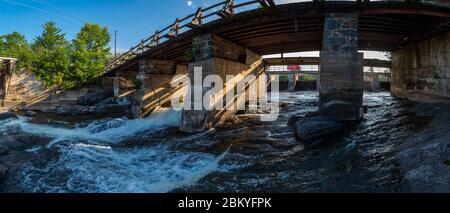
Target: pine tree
{"type": "Point", "coordinates": [90, 54]}
{"type": "Point", "coordinates": [52, 59]}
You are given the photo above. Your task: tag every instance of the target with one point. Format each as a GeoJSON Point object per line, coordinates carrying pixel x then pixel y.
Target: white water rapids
{"type": "Point", "coordinates": [88, 163]}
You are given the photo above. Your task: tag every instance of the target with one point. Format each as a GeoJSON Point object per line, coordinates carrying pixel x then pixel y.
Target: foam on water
{"type": "Point", "coordinates": [104, 131]}
{"type": "Point", "coordinates": [88, 163]}
{"type": "Point", "coordinates": [88, 168]}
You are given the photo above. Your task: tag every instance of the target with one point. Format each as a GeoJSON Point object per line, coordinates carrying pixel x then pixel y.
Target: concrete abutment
{"type": "Point", "coordinates": [421, 71]}
{"type": "Point", "coordinates": [214, 55]}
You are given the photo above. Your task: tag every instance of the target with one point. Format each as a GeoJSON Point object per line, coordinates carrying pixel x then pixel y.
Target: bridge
{"type": "Point", "coordinates": [278, 67]}
{"type": "Point", "coordinates": [224, 41]}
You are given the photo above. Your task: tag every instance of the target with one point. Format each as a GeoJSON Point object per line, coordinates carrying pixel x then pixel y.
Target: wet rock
{"type": "Point", "coordinates": [293, 120]}
{"type": "Point", "coordinates": [10, 143]}
{"type": "Point", "coordinates": [94, 98]}
{"type": "Point", "coordinates": [342, 111]}
{"type": "Point", "coordinates": [3, 150]}
{"type": "Point", "coordinates": [123, 101]}
{"type": "Point", "coordinates": [73, 110]}
{"type": "Point", "coordinates": [15, 159]}
{"type": "Point", "coordinates": [284, 104]}
{"type": "Point", "coordinates": [311, 128]}
{"type": "Point", "coordinates": [109, 109]}
{"type": "Point", "coordinates": [365, 109]}
{"type": "Point", "coordinates": [447, 162]}
{"type": "Point", "coordinates": [106, 107]}
{"type": "Point", "coordinates": [30, 141]}
{"type": "Point", "coordinates": [424, 158]}
{"type": "Point", "coordinates": [3, 171]}
{"type": "Point", "coordinates": [7, 115]}
{"type": "Point", "coordinates": [30, 113]}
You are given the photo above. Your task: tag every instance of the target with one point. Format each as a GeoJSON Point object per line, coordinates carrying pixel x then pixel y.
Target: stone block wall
{"type": "Point", "coordinates": [219, 57]}
{"type": "Point", "coordinates": [341, 70]}
{"type": "Point", "coordinates": [421, 72]}
{"type": "Point", "coordinates": [340, 32]}
{"type": "Point", "coordinates": [26, 92]}
{"type": "Point", "coordinates": [210, 46]}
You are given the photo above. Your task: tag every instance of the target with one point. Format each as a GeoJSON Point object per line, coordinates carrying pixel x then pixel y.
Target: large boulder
{"type": "Point", "coordinates": [7, 115]}
{"type": "Point", "coordinates": [316, 127]}
{"type": "Point", "coordinates": [73, 110]}
{"type": "Point", "coordinates": [11, 143]}
{"type": "Point", "coordinates": [342, 111]}
{"type": "Point", "coordinates": [30, 113]}
{"type": "Point", "coordinates": [108, 109]}
{"type": "Point", "coordinates": [3, 150]}
{"type": "Point", "coordinates": [124, 101]}
{"type": "Point", "coordinates": [94, 98]}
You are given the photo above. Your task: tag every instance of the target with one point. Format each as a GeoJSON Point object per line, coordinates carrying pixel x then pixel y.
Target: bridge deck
{"type": "Point", "coordinates": [296, 27]}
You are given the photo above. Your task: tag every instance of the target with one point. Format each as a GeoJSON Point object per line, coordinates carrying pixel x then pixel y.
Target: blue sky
{"type": "Point", "coordinates": [133, 19]}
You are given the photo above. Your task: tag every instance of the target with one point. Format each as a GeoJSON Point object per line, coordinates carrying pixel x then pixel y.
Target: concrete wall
{"type": "Point", "coordinates": [219, 57]}
{"type": "Point", "coordinates": [26, 92]}
{"type": "Point", "coordinates": [156, 77]}
{"type": "Point", "coordinates": [421, 72]}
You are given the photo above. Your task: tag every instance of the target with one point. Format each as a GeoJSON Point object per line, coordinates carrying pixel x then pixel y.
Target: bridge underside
{"type": "Point", "coordinates": [298, 27]}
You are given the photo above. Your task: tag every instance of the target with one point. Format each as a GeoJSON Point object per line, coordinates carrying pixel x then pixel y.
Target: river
{"type": "Point", "coordinates": [245, 155]}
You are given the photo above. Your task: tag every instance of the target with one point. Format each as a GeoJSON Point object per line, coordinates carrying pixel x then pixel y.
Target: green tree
{"type": "Point", "coordinates": [90, 54]}
{"type": "Point", "coordinates": [15, 45]}
{"type": "Point", "coordinates": [51, 55]}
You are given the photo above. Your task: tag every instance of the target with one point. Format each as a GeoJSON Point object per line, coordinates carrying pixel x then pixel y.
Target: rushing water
{"type": "Point", "coordinates": [246, 155]}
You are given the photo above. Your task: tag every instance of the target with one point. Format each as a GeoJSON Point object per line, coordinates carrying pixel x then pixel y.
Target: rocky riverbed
{"type": "Point", "coordinates": [399, 147]}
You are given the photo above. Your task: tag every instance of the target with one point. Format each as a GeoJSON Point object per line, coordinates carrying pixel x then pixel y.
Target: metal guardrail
{"type": "Point", "coordinates": [196, 20]}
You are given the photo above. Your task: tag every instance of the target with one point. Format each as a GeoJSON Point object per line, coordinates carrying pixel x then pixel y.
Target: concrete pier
{"type": "Point", "coordinates": [341, 69]}
{"type": "Point", "coordinates": [140, 86]}
{"type": "Point", "coordinates": [214, 55]}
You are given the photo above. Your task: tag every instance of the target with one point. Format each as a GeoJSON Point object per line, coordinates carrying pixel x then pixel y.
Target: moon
{"type": "Point", "coordinates": [189, 3]}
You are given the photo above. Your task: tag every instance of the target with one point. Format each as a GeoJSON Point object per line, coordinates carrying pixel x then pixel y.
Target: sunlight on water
{"type": "Point", "coordinates": [104, 131]}
{"type": "Point", "coordinates": [88, 163]}
{"type": "Point", "coordinates": [89, 168]}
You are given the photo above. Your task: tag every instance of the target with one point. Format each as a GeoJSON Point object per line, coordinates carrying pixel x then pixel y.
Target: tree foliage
{"type": "Point", "coordinates": [15, 45]}
{"type": "Point", "coordinates": [52, 59]}
{"type": "Point", "coordinates": [58, 62]}
{"type": "Point", "coordinates": [90, 53]}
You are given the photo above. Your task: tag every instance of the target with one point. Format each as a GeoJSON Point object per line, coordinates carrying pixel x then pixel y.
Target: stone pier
{"type": "Point", "coordinates": [153, 85]}
{"type": "Point", "coordinates": [140, 87]}
{"type": "Point", "coordinates": [341, 72]}
{"type": "Point", "coordinates": [215, 55]}
{"type": "Point", "coordinates": [421, 71]}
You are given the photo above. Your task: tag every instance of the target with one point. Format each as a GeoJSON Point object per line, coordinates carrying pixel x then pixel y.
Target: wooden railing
{"type": "Point", "coordinates": [193, 21]}
{"type": "Point", "coordinates": [196, 20]}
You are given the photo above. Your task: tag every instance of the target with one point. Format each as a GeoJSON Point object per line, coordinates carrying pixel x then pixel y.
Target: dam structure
{"type": "Point", "coordinates": [224, 42]}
